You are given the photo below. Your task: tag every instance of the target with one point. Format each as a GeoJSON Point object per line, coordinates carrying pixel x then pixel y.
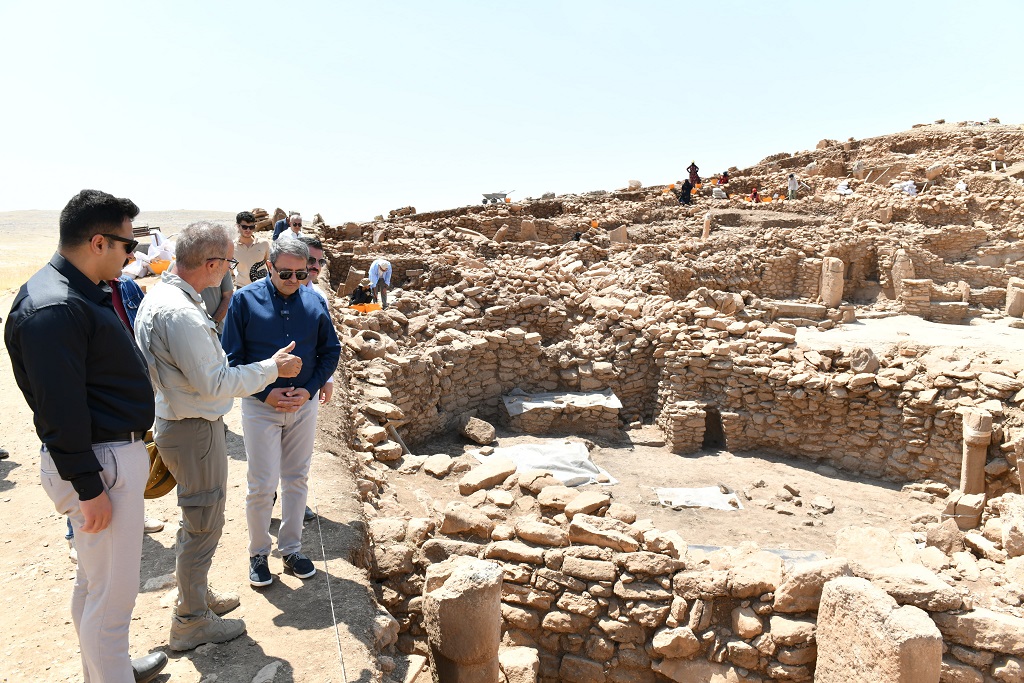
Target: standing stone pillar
{"type": "Point", "coordinates": [902, 269]}
{"type": "Point", "coordinates": [863, 635]}
{"type": "Point", "coordinates": [1015, 297]}
{"type": "Point", "coordinates": [462, 616]}
{"type": "Point", "coordinates": [707, 226]}
{"type": "Point", "coordinates": [831, 288]}
{"type": "Point", "coordinates": [977, 435]}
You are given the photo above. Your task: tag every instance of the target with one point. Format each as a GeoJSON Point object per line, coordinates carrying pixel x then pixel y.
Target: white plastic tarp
{"type": "Point", "coordinates": [704, 497]}
{"type": "Point", "coordinates": [568, 461]}
{"type": "Point", "coordinates": [518, 402]}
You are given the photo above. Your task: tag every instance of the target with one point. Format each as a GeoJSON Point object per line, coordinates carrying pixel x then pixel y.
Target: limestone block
{"type": "Point", "coordinates": [983, 629]}
{"type": "Point", "coordinates": [556, 497]}
{"type": "Point", "coordinates": [575, 669]}
{"type": "Point", "coordinates": [460, 518]}
{"type": "Point", "coordinates": [603, 532]}
{"type": "Point", "coordinates": [746, 624]}
{"type": "Point", "coordinates": [757, 574]}
{"type": "Point", "coordinates": [477, 430]}
{"type": "Point", "coordinates": [587, 502]}
{"type": "Point", "coordinates": [700, 669]}
{"type": "Point", "coordinates": [511, 551]}
{"type": "Point", "coordinates": [801, 589]}
{"type": "Point", "coordinates": [541, 533]}
{"type": "Point", "coordinates": [387, 451]}
{"type": "Point", "coordinates": [519, 664]}
{"type": "Point", "coordinates": [589, 570]}
{"type": "Point", "coordinates": [392, 560]}
{"type": "Point", "coordinates": [863, 635]}
{"type": "Point", "coordinates": [438, 465]}
{"type": "Point", "coordinates": [955, 672]}
{"type": "Point", "coordinates": [946, 536]}
{"type": "Point", "coordinates": [665, 542]}
{"type": "Point", "coordinates": [648, 563]}
{"type": "Point", "coordinates": [487, 474]}
{"type": "Point", "coordinates": [831, 287]}
{"type": "Point", "coordinates": [677, 643]}
{"type": "Point", "coordinates": [1015, 297]}
{"type": "Point", "coordinates": [791, 630]}
{"type": "Point", "coordinates": [863, 359]}
{"type": "Point", "coordinates": [914, 584]}
{"type": "Point", "coordinates": [462, 619]}
{"type": "Point", "coordinates": [621, 632]}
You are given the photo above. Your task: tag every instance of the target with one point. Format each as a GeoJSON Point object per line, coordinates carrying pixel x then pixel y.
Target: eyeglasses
{"type": "Point", "coordinates": [316, 262]}
{"type": "Point", "coordinates": [249, 228]}
{"type": "Point", "coordinates": [129, 245]}
{"type": "Point", "coordinates": [298, 225]}
{"type": "Point", "coordinates": [300, 275]}
{"type": "Point", "coordinates": [233, 262]}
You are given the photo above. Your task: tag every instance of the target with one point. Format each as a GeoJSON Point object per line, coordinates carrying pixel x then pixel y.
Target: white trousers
{"type": "Point", "coordinates": [279, 448]}
{"type": "Point", "coordinates": [107, 579]}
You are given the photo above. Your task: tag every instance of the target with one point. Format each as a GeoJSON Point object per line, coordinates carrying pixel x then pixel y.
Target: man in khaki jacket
{"type": "Point", "coordinates": [195, 388]}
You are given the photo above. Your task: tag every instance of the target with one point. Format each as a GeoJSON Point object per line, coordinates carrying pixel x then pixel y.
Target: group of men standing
{"type": "Point", "coordinates": [94, 391]}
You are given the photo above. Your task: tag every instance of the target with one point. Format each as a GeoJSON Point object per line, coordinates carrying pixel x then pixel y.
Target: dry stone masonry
{"type": "Point", "coordinates": [711, 322]}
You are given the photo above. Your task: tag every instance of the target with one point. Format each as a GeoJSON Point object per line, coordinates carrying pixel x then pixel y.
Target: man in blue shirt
{"type": "Point", "coordinates": [279, 423]}
{"type": "Point", "coordinates": [293, 223]}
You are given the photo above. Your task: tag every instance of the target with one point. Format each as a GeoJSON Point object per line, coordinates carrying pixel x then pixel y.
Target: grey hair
{"type": "Point", "coordinates": [289, 246]}
{"type": "Point", "coordinates": [293, 216]}
{"type": "Point", "coordinates": [200, 241]}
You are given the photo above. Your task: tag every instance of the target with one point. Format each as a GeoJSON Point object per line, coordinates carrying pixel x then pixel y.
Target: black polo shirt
{"type": "Point", "coordinates": [79, 369]}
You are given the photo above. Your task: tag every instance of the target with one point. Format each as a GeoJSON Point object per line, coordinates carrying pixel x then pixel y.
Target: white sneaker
{"type": "Point", "coordinates": [151, 525]}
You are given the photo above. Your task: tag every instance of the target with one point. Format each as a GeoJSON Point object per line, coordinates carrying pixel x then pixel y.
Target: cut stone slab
{"type": "Point", "coordinates": [587, 502]}
{"type": "Point", "coordinates": [460, 518]}
{"type": "Point", "coordinates": [983, 629]}
{"type": "Point", "coordinates": [603, 532]}
{"type": "Point", "coordinates": [801, 588]}
{"type": "Point", "coordinates": [535, 481]}
{"type": "Point", "coordinates": [438, 465]}
{"type": "Point", "coordinates": [541, 533]}
{"type": "Point", "coordinates": [863, 635]}
{"type": "Point", "coordinates": [556, 497]}
{"type": "Point", "coordinates": [493, 471]}
{"type": "Point", "coordinates": [519, 664]}
{"type": "Point", "coordinates": [914, 584]}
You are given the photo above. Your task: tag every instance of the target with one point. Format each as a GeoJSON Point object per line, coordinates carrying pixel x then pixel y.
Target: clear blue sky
{"type": "Point", "coordinates": [354, 108]}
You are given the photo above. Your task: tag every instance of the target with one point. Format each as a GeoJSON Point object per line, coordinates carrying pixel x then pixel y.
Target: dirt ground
{"type": "Point", "coordinates": [640, 464]}
{"type": "Point", "coordinates": [289, 623]}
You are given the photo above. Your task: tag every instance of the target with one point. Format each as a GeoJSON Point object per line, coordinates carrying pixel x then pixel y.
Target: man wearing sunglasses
{"type": "Point", "coordinates": [279, 423]}
{"type": "Point", "coordinates": [290, 227]}
{"type": "Point", "coordinates": [248, 250]}
{"type": "Point", "coordinates": [195, 388]}
{"type": "Point", "coordinates": [86, 383]}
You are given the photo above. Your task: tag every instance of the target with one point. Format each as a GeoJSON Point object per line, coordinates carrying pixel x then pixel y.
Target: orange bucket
{"type": "Point", "coordinates": [158, 266]}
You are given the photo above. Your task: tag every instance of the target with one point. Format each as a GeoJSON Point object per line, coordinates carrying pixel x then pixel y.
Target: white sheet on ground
{"type": "Point", "coordinates": [518, 402]}
{"type": "Point", "coordinates": [704, 497]}
{"type": "Point", "coordinates": [569, 461]}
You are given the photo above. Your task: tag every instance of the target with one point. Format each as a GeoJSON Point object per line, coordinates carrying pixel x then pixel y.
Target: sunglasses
{"type": "Point", "coordinates": [129, 245]}
{"type": "Point", "coordinates": [248, 228]}
{"type": "Point", "coordinates": [233, 262]}
{"type": "Point", "coordinates": [300, 275]}
{"type": "Point", "coordinates": [316, 262]}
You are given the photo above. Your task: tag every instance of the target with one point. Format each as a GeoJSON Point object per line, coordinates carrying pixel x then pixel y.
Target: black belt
{"type": "Point", "coordinates": [123, 436]}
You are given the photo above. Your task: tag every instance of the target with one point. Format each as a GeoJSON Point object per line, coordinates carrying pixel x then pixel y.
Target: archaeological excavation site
{"type": "Point", "coordinates": [613, 437]}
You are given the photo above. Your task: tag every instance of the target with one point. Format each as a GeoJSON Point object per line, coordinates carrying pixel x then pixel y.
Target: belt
{"type": "Point", "coordinates": [123, 436]}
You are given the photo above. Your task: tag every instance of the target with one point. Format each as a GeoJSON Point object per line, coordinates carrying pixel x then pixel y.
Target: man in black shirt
{"type": "Point", "coordinates": [89, 390]}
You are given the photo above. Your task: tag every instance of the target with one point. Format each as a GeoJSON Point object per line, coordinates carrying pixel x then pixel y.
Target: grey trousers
{"type": "Point", "coordinates": [107, 578]}
{"type": "Point", "coordinates": [381, 290]}
{"type": "Point", "coordinates": [279, 447]}
{"type": "Point", "coordinates": [196, 453]}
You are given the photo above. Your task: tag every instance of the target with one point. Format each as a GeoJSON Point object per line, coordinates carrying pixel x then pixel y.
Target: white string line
{"type": "Point", "coordinates": [330, 596]}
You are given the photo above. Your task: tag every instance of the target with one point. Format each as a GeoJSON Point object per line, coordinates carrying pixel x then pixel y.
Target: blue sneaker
{"type": "Point", "coordinates": [300, 565]}
{"type": "Point", "coordinates": [259, 571]}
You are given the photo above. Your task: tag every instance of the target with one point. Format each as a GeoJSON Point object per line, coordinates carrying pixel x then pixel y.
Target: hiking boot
{"type": "Point", "coordinates": [151, 525]}
{"type": "Point", "coordinates": [219, 603]}
{"type": "Point", "coordinates": [308, 515]}
{"type": "Point", "coordinates": [259, 571]}
{"type": "Point", "coordinates": [209, 628]}
{"type": "Point", "coordinates": [300, 565]}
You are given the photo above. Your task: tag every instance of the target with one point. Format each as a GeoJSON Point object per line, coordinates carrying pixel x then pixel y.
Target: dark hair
{"type": "Point", "coordinates": [245, 216]}
{"type": "Point", "coordinates": [311, 242]}
{"type": "Point", "coordinates": [90, 212]}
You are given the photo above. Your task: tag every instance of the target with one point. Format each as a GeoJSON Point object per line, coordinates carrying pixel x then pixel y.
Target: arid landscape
{"type": "Point", "coordinates": [845, 366]}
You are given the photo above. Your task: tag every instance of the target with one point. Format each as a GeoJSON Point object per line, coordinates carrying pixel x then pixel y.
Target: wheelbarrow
{"type": "Point", "coordinates": [495, 197]}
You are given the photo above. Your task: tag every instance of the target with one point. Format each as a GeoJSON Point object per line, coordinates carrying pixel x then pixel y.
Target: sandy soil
{"type": "Point", "coordinates": [289, 622]}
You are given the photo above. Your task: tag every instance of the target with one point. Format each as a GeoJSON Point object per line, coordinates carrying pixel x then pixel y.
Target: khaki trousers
{"type": "Point", "coordinates": [107, 577]}
{"type": "Point", "coordinates": [279, 448]}
{"type": "Point", "coordinates": [195, 452]}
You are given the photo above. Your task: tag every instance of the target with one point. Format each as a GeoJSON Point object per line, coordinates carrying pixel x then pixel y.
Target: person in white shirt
{"type": "Point", "coordinates": [248, 250]}
{"type": "Point", "coordinates": [380, 279]}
